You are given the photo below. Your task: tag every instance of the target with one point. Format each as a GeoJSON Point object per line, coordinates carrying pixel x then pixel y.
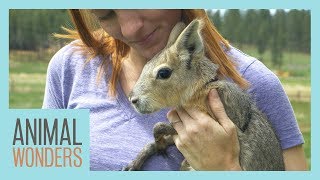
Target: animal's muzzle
{"type": "Point", "coordinates": [134, 100]}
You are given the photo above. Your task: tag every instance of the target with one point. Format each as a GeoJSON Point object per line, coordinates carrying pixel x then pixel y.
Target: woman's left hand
{"type": "Point", "coordinates": [207, 143]}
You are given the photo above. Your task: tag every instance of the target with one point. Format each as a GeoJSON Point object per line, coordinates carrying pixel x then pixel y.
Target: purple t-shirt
{"type": "Point", "coordinates": [118, 132]}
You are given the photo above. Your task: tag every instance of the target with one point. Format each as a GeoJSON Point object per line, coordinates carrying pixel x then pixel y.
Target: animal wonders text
{"type": "Point", "coordinates": [43, 143]}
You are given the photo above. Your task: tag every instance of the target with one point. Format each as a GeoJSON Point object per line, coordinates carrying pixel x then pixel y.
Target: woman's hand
{"type": "Point", "coordinates": [207, 143]}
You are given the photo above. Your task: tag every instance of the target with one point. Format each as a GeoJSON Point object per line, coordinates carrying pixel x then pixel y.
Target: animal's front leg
{"type": "Point", "coordinates": [163, 136]}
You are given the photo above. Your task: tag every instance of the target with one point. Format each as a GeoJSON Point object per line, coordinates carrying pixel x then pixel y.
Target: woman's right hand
{"type": "Point", "coordinates": [207, 143]}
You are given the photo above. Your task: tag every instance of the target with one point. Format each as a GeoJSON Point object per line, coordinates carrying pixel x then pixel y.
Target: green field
{"type": "Point", "coordinates": [298, 65]}
{"type": "Point", "coordinates": [27, 78]}
{"type": "Point", "coordinates": [28, 74]}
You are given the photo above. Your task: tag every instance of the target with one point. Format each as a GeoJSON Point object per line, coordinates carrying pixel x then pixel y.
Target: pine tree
{"type": "Point", "coordinates": [232, 26]}
{"type": "Point", "coordinates": [250, 25]}
{"type": "Point", "coordinates": [278, 39]}
{"type": "Point", "coordinates": [263, 30]}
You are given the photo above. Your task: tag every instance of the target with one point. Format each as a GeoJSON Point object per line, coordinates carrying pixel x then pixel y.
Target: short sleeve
{"type": "Point", "coordinates": [55, 96]}
{"type": "Point", "coordinates": [272, 100]}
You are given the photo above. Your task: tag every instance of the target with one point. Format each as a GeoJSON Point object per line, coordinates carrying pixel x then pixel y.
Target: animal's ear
{"type": "Point", "coordinates": [175, 33]}
{"type": "Point", "coordinates": [190, 39]}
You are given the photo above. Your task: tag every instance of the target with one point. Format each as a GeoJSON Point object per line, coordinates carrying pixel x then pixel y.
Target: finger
{"type": "Point", "coordinates": [197, 114]}
{"type": "Point", "coordinates": [184, 116]}
{"type": "Point", "coordinates": [175, 121]}
{"type": "Point", "coordinates": [175, 138]}
{"type": "Point", "coordinates": [179, 145]}
{"type": "Point", "coordinates": [217, 108]}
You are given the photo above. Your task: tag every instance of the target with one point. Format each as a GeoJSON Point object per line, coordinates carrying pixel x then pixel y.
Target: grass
{"type": "Point", "coordinates": [28, 74]}
{"type": "Point", "coordinates": [29, 62]}
{"type": "Point", "coordinates": [297, 65]}
{"type": "Point", "coordinates": [26, 90]}
{"type": "Point", "coordinates": [27, 78]}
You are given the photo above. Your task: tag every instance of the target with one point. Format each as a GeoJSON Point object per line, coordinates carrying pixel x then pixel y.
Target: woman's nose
{"type": "Point", "coordinates": [131, 24]}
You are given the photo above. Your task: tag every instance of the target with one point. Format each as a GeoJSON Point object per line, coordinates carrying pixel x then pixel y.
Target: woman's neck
{"type": "Point", "coordinates": [131, 69]}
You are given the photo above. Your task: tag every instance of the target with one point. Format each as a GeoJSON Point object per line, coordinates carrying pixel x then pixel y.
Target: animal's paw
{"type": "Point", "coordinates": [160, 129]}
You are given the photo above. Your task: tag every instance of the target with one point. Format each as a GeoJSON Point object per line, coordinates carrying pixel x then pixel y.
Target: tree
{"type": "Point", "coordinates": [250, 25]}
{"type": "Point", "coordinates": [278, 39]}
{"type": "Point", "coordinates": [232, 25]}
{"type": "Point", "coordinates": [294, 30]}
{"type": "Point", "coordinates": [32, 29]}
{"type": "Point", "coordinates": [216, 19]}
{"type": "Point", "coordinates": [306, 31]}
{"type": "Point", "coordinates": [263, 30]}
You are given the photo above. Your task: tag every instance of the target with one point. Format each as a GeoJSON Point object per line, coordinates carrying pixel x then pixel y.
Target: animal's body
{"type": "Point", "coordinates": [182, 76]}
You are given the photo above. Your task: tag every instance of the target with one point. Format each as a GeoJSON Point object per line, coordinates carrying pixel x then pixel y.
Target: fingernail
{"type": "Point", "coordinates": [213, 92]}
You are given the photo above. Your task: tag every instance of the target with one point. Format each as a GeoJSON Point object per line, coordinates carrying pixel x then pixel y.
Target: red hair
{"type": "Point", "coordinates": [100, 43]}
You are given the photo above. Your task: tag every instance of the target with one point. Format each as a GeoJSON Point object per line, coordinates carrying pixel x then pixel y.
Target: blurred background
{"type": "Point", "coordinates": [277, 37]}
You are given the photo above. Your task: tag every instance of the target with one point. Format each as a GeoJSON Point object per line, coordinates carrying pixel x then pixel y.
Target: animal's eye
{"type": "Point", "coordinates": [164, 73]}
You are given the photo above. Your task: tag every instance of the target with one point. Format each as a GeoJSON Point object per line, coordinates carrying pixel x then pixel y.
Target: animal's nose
{"type": "Point", "coordinates": [134, 100]}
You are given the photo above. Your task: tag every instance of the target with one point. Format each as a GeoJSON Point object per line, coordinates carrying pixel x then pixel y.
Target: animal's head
{"type": "Point", "coordinates": [170, 78]}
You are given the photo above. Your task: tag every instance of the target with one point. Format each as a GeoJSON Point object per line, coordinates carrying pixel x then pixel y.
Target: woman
{"type": "Point", "coordinates": [99, 71]}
